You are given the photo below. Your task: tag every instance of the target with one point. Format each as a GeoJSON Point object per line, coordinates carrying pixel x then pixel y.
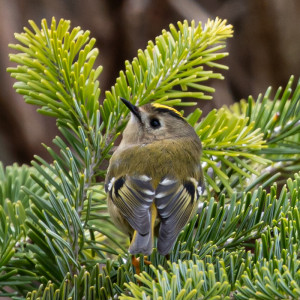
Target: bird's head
{"type": "Point", "coordinates": [155, 122]}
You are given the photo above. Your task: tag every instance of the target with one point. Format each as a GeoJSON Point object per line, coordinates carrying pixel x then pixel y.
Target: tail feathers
{"type": "Point", "coordinates": [166, 238]}
{"type": "Point", "coordinates": [165, 245]}
{"type": "Point", "coordinates": [144, 244]}
{"type": "Point", "coordinates": [141, 243]}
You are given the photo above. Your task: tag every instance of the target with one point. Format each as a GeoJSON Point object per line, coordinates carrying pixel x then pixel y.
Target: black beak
{"type": "Point", "coordinates": [134, 109]}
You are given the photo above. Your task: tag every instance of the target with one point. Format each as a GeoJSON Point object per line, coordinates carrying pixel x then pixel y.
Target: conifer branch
{"type": "Point", "coordinates": [55, 230]}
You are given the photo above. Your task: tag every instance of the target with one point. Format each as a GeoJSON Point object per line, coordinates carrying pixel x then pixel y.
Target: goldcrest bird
{"type": "Point", "coordinates": [154, 177]}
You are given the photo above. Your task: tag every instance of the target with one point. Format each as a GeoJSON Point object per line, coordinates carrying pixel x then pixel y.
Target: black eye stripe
{"type": "Point", "coordinates": [154, 123]}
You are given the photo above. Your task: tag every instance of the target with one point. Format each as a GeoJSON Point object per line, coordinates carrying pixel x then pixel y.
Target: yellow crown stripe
{"type": "Point", "coordinates": [158, 105]}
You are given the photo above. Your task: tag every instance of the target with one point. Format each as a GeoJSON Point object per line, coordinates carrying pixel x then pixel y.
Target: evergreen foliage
{"type": "Point", "coordinates": [57, 240]}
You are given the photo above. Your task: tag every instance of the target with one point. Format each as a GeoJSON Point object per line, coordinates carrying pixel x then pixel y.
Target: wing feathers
{"type": "Point", "coordinates": [133, 196]}
{"type": "Point", "coordinates": [175, 203]}
{"type": "Point", "coordinates": [175, 208]}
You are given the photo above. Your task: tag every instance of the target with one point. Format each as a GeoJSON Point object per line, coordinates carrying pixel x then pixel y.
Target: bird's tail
{"type": "Point", "coordinates": [144, 243]}
{"type": "Point", "coordinates": [141, 243]}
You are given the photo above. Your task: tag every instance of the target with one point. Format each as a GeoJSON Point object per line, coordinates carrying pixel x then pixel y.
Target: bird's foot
{"type": "Point", "coordinates": [136, 263]}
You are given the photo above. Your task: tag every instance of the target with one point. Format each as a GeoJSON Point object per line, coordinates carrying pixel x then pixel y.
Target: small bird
{"type": "Point", "coordinates": [154, 177]}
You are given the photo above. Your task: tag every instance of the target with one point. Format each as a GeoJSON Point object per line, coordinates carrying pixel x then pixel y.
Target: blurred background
{"type": "Point", "coordinates": [264, 51]}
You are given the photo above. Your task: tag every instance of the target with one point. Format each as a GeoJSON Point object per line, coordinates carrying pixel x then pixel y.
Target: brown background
{"type": "Point", "coordinates": [265, 51]}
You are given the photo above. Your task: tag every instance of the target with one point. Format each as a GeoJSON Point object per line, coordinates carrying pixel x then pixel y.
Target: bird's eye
{"type": "Point", "coordinates": [154, 123]}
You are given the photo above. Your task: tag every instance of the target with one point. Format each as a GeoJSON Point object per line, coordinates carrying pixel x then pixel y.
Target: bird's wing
{"type": "Point", "coordinates": [175, 203]}
{"type": "Point", "coordinates": [133, 196]}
